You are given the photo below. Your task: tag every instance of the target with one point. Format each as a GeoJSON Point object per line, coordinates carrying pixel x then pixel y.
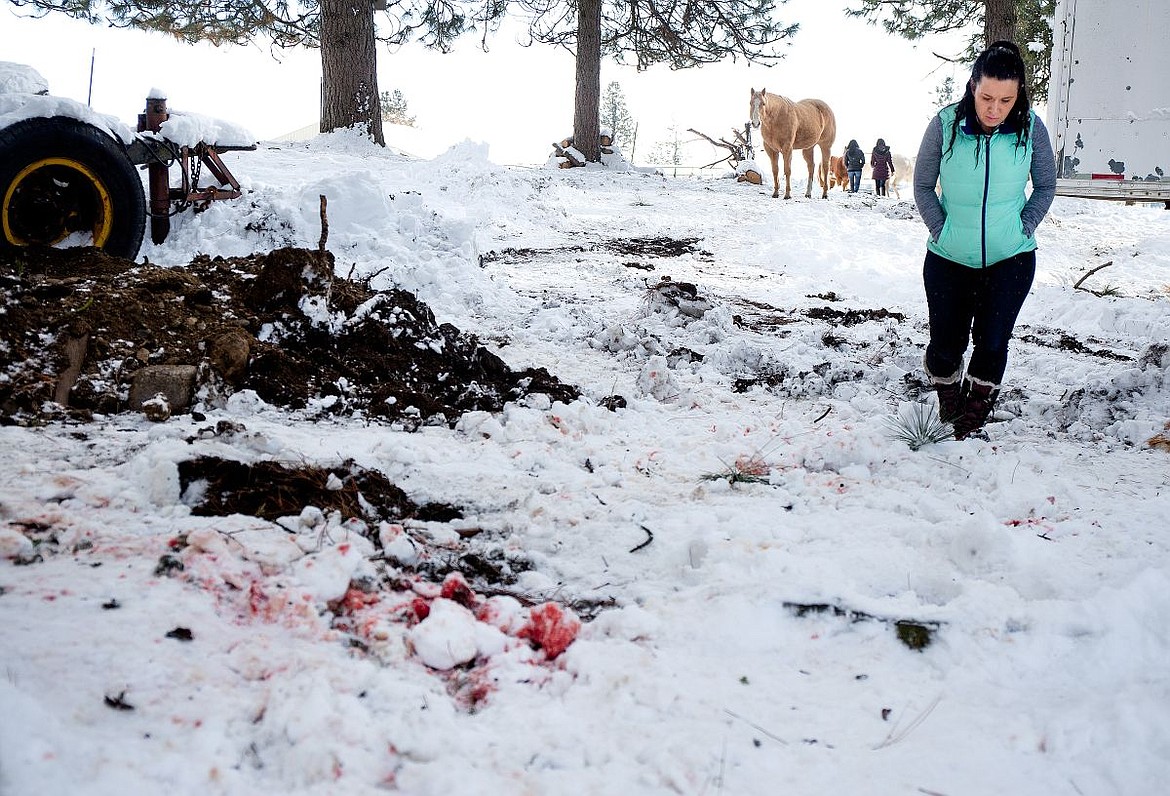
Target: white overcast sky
{"type": "Point", "coordinates": [517, 100]}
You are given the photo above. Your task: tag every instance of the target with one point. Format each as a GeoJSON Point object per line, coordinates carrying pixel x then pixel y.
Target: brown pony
{"type": "Point", "coordinates": [786, 125]}
{"type": "Point", "coordinates": [838, 175]}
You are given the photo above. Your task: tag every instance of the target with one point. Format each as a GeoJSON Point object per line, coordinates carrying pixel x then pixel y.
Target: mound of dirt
{"type": "Point", "coordinates": [80, 326]}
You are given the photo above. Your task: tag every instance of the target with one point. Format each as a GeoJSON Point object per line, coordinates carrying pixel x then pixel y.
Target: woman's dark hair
{"type": "Point", "coordinates": [1001, 61]}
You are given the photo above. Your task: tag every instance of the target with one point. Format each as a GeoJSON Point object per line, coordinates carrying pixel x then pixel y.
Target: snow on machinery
{"type": "Point", "coordinates": [69, 176]}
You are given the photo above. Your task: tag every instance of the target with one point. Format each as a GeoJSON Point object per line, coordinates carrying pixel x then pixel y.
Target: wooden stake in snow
{"type": "Point", "coordinates": [324, 230]}
{"type": "Point", "coordinates": [75, 348]}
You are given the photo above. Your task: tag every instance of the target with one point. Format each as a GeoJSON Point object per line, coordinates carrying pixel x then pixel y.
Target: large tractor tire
{"type": "Point", "coordinates": [66, 183]}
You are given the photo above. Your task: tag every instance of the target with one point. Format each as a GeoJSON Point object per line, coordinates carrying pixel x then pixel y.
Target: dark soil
{"type": "Point", "coordinates": [78, 324]}
{"type": "Point", "coordinates": [851, 317]}
{"type": "Point", "coordinates": [270, 490]}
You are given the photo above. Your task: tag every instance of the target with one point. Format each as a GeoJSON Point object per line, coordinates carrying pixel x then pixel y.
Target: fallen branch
{"type": "Point", "coordinates": [1089, 273]}
{"type": "Point", "coordinates": [717, 162]}
{"type": "Point", "coordinates": [649, 539]}
{"type": "Point", "coordinates": [737, 151]}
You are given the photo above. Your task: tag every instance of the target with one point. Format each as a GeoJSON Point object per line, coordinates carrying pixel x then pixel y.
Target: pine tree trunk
{"type": "Point", "coordinates": [349, 68]}
{"type": "Point", "coordinates": [587, 100]}
{"type": "Point", "coordinates": [999, 21]}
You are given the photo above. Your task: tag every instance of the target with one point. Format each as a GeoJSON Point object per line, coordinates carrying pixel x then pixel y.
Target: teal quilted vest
{"type": "Point", "coordinates": [983, 178]}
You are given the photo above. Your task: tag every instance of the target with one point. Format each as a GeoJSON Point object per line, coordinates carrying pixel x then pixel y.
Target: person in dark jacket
{"type": "Point", "coordinates": [981, 253]}
{"type": "Point", "coordinates": [883, 167]}
{"type": "Point", "coordinates": [854, 163]}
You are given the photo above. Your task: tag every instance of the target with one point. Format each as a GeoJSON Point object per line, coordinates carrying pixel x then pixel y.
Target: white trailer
{"type": "Point", "coordinates": [1109, 99]}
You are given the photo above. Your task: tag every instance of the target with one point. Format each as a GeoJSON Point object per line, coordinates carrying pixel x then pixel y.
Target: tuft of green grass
{"type": "Point", "coordinates": [918, 425]}
{"type": "Point", "coordinates": [747, 469]}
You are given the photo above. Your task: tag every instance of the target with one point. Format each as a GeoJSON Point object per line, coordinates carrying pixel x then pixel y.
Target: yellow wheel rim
{"type": "Point", "coordinates": [83, 198]}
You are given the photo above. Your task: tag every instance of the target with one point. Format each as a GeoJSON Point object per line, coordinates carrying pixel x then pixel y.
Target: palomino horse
{"type": "Point", "coordinates": [786, 125]}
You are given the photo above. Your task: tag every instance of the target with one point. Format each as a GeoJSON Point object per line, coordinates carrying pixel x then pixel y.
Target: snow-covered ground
{"type": "Point", "coordinates": [1039, 557]}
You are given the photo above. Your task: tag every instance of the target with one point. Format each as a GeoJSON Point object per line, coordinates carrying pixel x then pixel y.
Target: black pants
{"type": "Point", "coordinates": [979, 305]}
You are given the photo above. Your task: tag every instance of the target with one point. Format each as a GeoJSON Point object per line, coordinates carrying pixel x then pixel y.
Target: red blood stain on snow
{"type": "Point", "coordinates": [356, 599]}
{"type": "Point", "coordinates": [1031, 522]}
{"type": "Point", "coordinates": [456, 589]}
{"type": "Point", "coordinates": [490, 614]}
{"type": "Point", "coordinates": [258, 602]}
{"type": "Point", "coordinates": [476, 688]}
{"type": "Point", "coordinates": [371, 616]}
{"type": "Point", "coordinates": [551, 628]}
{"type": "Point", "coordinates": [420, 608]}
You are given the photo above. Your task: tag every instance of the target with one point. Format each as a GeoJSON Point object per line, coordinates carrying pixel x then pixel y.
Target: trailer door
{"type": "Point", "coordinates": [1109, 99]}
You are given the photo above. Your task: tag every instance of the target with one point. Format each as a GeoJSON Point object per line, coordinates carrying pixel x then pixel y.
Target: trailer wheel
{"type": "Point", "coordinates": [65, 183]}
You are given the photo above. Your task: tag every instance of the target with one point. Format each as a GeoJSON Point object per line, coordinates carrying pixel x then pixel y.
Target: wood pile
{"type": "Point", "coordinates": [561, 150]}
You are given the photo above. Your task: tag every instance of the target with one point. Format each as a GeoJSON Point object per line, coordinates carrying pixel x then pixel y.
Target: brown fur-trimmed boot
{"type": "Point", "coordinates": [979, 399]}
{"type": "Point", "coordinates": [951, 391]}
{"type": "Point", "coordinates": [950, 400]}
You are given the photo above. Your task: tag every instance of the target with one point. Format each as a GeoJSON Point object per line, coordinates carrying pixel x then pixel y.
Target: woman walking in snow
{"type": "Point", "coordinates": [854, 163]}
{"type": "Point", "coordinates": [981, 253]}
{"type": "Point", "coordinates": [883, 167]}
